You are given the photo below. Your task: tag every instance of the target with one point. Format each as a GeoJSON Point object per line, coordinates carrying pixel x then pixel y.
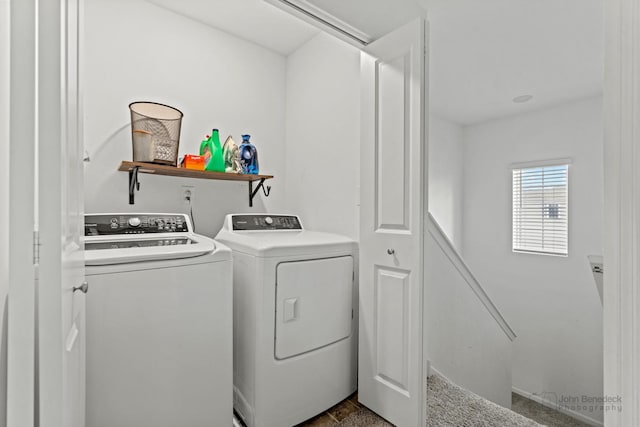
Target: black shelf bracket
{"type": "Point", "coordinates": [134, 184]}
{"type": "Point", "coordinates": [252, 192]}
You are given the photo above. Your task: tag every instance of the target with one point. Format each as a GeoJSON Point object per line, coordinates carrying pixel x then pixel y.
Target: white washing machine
{"type": "Point", "coordinates": [295, 318]}
{"type": "Point", "coordinates": [159, 323]}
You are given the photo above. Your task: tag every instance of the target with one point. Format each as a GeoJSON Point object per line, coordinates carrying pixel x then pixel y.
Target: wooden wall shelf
{"type": "Point", "coordinates": [134, 168]}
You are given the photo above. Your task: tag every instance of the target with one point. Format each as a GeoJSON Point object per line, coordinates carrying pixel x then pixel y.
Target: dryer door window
{"type": "Point", "coordinates": [314, 301]}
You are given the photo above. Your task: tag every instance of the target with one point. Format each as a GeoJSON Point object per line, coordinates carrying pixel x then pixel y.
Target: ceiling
{"type": "Point", "coordinates": [252, 20]}
{"type": "Point", "coordinates": [482, 53]}
{"type": "Point", "coordinates": [485, 53]}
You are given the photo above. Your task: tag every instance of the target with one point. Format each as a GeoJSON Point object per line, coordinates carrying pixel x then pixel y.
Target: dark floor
{"type": "Point", "coordinates": [335, 414]}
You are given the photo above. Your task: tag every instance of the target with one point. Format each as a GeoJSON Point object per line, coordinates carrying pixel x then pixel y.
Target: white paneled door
{"type": "Point", "coordinates": [72, 223]}
{"type": "Point", "coordinates": [393, 202]}
{"type": "Point", "coordinates": [61, 380]}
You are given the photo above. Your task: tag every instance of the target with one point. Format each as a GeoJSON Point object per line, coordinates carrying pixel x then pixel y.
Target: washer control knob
{"type": "Point", "coordinates": [268, 220]}
{"type": "Point", "coordinates": [134, 222]}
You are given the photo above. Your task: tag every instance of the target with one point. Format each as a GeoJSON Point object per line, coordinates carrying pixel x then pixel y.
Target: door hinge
{"type": "Point", "coordinates": [36, 247]}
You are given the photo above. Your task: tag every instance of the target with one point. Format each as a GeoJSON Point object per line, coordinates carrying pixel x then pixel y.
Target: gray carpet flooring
{"type": "Point", "coordinates": [542, 414]}
{"type": "Point", "coordinates": [449, 406]}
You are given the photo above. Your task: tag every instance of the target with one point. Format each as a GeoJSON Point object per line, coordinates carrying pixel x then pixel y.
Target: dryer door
{"type": "Point", "coordinates": [313, 304]}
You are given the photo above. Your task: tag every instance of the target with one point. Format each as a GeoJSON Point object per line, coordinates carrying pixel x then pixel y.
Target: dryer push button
{"type": "Point", "coordinates": [289, 309]}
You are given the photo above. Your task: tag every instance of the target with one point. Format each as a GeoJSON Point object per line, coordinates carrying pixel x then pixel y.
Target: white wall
{"type": "Point", "coordinates": [465, 343]}
{"type": "Point", "coordinates": [323, 135]}
{"type": "Point", "coordinates": [4, 196]}
{"type": "Point", "coordinates": [551, 302]}
{"type": "Point", "coordinates": [138, 51]}
{"type": "Point", "coordinates": [446, 177]}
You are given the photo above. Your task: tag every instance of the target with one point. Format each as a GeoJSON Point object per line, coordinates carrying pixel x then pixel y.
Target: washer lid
{"type": "Point", "coordinates": [129, 249]}
{"type": "Point", "coordinates": [284, 243]}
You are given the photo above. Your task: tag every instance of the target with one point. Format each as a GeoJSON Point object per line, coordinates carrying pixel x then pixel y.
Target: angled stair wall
{"type": "Point", "coordinates": [468, 340]}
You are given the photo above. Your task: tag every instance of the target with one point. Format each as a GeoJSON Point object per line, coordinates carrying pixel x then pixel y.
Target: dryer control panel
{"type": "Point", "coordinates": [265, 222]}
{"type": "Point", "coordinates": [112, 224]}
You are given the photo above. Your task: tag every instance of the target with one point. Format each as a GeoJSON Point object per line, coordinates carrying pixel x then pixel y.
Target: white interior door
{"type": "Point", "coordinates": [60, 219]}
{"type": "Point", "coordinates": [72, 220]}
{"type": "Point", "coordinates": [393, 200]}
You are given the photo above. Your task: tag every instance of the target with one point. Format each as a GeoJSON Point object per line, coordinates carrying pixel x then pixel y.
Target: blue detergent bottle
{"type": "Point", "coordinates": [248, 156]}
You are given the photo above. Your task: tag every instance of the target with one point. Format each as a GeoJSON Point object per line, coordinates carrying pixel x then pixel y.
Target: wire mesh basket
{"type": "Point", "coordinates": [155, 132]}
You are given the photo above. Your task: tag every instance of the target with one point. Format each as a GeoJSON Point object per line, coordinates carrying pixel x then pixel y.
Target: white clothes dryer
{"type": "Point", "coordinates": [295, 318]}
{"type": "Point", "coordinates": [159, 323]}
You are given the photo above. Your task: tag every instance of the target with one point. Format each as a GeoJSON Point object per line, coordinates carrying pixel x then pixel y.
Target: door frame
{"type": "Point", "coordinates": [621, 307]}
{"type": "Point", "coordinates": [22, 135]}
{"type": "Point", "coordinates": [38, 109]}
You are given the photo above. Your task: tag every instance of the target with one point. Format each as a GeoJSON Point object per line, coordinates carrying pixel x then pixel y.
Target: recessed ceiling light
{"type": "Point", "coordinates": [522, 99]}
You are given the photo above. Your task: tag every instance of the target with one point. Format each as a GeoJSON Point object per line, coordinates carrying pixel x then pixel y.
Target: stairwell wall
{"type": "Point", "coordinates": [465, 342]}
{"type": "Point", "coordinates": [551, 302]}
{"type": "Point", "coordinates": [446, 177]}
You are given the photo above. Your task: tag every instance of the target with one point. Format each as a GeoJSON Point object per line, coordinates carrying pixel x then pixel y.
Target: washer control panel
{"type": "Point", "coordinates": [110, 224]}
{"type": "Point", "coordinates": [264, 222]}
{"type": "Point", "coordinates": [137, 243]}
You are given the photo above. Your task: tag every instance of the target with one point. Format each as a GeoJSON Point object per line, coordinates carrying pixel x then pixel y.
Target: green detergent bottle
{"type": "Point", "coordinates": [211, 149]}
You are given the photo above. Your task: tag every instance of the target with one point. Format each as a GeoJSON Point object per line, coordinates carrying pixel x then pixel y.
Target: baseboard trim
{"type": "Point", "coordinates": [433, 371]}
{"type": "Point", "coordinates": [549, 404]}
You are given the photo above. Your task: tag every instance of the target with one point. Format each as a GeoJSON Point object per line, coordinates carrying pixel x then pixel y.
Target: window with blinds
{"type": "Point", "coordinates": [540, 209]}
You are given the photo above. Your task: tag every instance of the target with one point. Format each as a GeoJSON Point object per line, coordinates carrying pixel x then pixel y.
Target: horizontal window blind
{"type": "Point", "coordinates": [540, 209]}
